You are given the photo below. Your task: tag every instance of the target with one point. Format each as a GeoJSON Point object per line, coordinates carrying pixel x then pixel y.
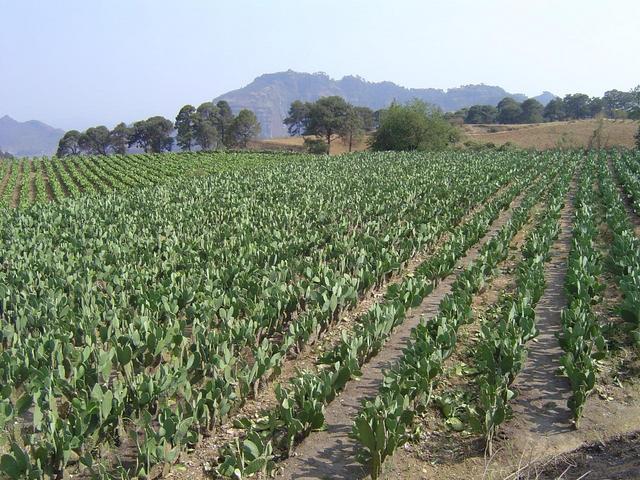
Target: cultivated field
{"type": "Point", "coordinates": [399, 315]}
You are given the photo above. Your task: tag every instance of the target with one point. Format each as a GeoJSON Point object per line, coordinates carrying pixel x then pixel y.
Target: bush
{"type": "Point", "coordinates": [316, 146]}
{"type": "Point", "coordinates": [414, 126]}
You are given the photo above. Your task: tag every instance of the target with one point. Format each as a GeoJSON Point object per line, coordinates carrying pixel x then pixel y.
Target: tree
{"type": "Point", "coordinates": [638, 139]}
{"type": "Point", "coordinates": [353, 127]}
{"type": "Point", "coordinates": [69, 144]}
{"type": "Point", "coordinates": [95, 140]}
{"type": "Point", "coordinates": [185, 126]}
{"type": "Point", "coordinates": [296, 121]}
{"type": "Point", "coordinates": [481, 114]}
{"type": "Point", "coordinates": [224, 120]}
{"type": "Point", "coordinates": [509, 111]}
{"type": "Point", "coordinates": [414, 126]}
{"type": "Point", "coordinates": [327, 118]}
{"type": "Point", "coordinates": [119, 137]}
{"type": "Point", "coordinates": [576, 106]}
{"type": "Point", "coordinates": [205, 132]}
{"type": "Point", "coordinates": [554, 110]}
{"type": "Point", "coordinates": [531, 111]}
{"type": "Point", "coordinates": [368, 118]}
{"type": "Point", "coordinates": [595, 106]}
{"type": "Point", "coordinates": [153, 135]}
{"type": "Point", "coordinates": [244, 127]}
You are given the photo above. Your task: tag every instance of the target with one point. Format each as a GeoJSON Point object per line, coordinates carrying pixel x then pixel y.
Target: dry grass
{"type": "Point", "coordinates": [577, 133]}
{"type": "Point", "coordinates": [295, 143]}
{"type": "Point", "coordinates": [540, 136]}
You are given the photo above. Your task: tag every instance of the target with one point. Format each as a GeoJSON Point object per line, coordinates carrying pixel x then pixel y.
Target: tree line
{"type": "Point", "coordinates": [328, 119]}
{"type": "Point", "coordinates": [412, 126]}
{"type": "Point", "coordinates": [211, 126]}
{"type": "Point", "coordinates": [577, 106]}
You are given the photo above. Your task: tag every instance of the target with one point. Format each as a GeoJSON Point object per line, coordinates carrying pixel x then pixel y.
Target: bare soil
{"type": "Point", "coordinates": [5, 179]}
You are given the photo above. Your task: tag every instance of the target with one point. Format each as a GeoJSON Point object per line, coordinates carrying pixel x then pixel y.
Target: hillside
{"type": "Point", "coordinates": [270, 95]}
{"type": "Point", "coordinates": [540, 136]}
{"type": "Point", "coordinates": [30, 138]}
{"type": "Point", "coordinates": [576, 133]}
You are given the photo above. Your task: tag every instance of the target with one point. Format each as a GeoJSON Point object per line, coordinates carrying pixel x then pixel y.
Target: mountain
{"type": "Point", "coordinates": [270, 95]}
{"type": "Point", "coordinates": [27, 139]}
{"type": "Point", "coordinates": [545, 97]}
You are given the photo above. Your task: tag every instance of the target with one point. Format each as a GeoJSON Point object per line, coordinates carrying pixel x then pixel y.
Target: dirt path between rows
{"type": "Point", "coordinates": [5, 179]}
{"type": "Point", "coordinates": [540, 409]}
{"type": "Point", "coordinates": [331, 453]}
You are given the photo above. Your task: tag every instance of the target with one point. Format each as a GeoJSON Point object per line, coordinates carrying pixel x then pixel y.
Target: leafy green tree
{"type": "Point", "coordinates": [206, 134]}
{"type": "Point", "coordinates": [554, 111]}
{"type": "Point", "coordinates": [185, 126]}
{"type": "Point", "coordinates": [152, 135]}
{"type": "Point", "coordinates": [481, 114]}
{"type": "Point", "coordinates": [352, 128]}
{"type": "Point", "coordinates": [634, 110]}
{"type": "Point", "coordinates": [69, 144]}
{"type": "Point", "coordinates": [119, 137]}
{"type": "Point", "coordinates": [95, 140]}
{"type": "Point", "coordinates": [509, 111]}
{"type": "Point", "coordinates": [244, 128]}
{"type": "Point", "coordinates": [414, 126]}
{"type": "Point", "coordinates": [298, 117]}
{"type": "Point", "coordinates": [531, 111]}
{"type": "Point", "coordinates": [638, 139]}
{"type": "Point", "coordinates": [327, 118]}
{"type": "Point", "coordinates": [367, 117]}
{"type": "Point", "coordinates": [576, 106]}
{"type": "Point", "coordinates": [596, 106]}
{"type": "Point", "coordinates": [224, 120]}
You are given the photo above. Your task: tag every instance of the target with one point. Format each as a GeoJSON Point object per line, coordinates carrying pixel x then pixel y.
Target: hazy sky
{"type": "Point", "coordinates": [77, 63]}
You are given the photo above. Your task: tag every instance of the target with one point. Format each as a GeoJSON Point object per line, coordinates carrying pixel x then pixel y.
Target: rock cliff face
{"type": "Point", "coordinates": [270, 95]}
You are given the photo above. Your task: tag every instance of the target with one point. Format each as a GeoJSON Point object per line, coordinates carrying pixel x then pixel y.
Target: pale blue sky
{"type": "Point", "coordinates": [76, 63]}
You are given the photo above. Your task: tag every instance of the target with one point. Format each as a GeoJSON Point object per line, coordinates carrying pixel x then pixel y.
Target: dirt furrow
{"type": "Point", "coordinates": [5, 179]}
{"type": "Point", "coordinates": [331, 453]}
{"type": "Point", "coordinates": [540, 409]}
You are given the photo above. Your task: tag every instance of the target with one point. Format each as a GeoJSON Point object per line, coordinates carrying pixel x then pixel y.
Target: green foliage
{"type": "Point", "coordinates": [414, 126]}
{"type": "Point", "coordinates": [95, 140]}
{"type": "Point", "coordinates": [152, 135]}
{"type": "Point", "coordinates": [69, 144]}
{"type": "Point", "coordinates": [509, 111]}
{"type": "Point", "coordinates": [243, 128]}
{"type": "Point", "coordinates": [185, 127]}
{"type": "Point", "coordinates": [316, 146]}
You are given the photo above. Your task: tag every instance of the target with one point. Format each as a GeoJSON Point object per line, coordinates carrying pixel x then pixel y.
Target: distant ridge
{"type": "Point", "coordinates": [32, 138]}
{"type": "Point", "coordinates": [270, 95]}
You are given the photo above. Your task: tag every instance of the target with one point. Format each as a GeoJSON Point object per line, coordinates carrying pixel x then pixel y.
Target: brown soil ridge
{"type": "Point", "coordinates": [331, 453]}
{"type": "Point", "coordinates": [32, 182]}
{"type": "Point", "coordinates": [614, 458]}
{"type": "Point", "coordinates": [5, 179]}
